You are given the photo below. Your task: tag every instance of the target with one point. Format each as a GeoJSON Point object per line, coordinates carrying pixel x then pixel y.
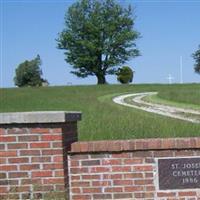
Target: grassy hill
{"type": "Point", "coordinates": [102, 119]}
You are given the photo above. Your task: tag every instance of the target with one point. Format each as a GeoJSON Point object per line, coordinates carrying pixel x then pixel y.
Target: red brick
{"type": "Point", "coordinates": [11, 196]}
{"type": "Point", "coordinates": [52, 152]}
{"type": "Point", "coordinates": [166, 194]}
{"type": "Point", "coordinates": [51, 137]}
{"type": "Point", "coordinates": [168, 143]}
{"type": "Point", "coordinates": [76, 190]}
{"type": "Point", "coordinates": [4, 182]}
{"type": "Point", "coordinates": [133, 176]}
{"type": "Point", "coordinates": [92, 177]}
{"type": "Point", "coordinates": [133, 188]}
{"type": "Point", "coordinates": [14, 182]}
{"type": "Point", "coordinates": [75, 178]}
{"type": "Point", "coordinates": [54, 181]}
{"type": "Point", "coordinates": [141, 144]}
{"type": "Point", "coordinates": [122, 196]}
{"type": "Point", "coordinates": [139, 195]}
{"type": "Point", "coordinates": [53, 166]}
{"type": "Point", "coordinates": [79, 157]}
{"type": "Point", "coordinates": [59, 173]}
{"type": "Point", "coordinates": [121, 155]}
{"type": "Point", "coordinates": [112, 162]}
{"type": "Point", "coordinates": [18, 160]}
{"type": "Point", "coordinates": [143, 154]}
{"type": "Point", "coordinates": [40, 130]}
{"type": "Point", "coordinates": [2, 160]}
{"type": "Point", "coordinates": [7, 139]}
{"type": "Point", "coordinates": [35, 181]}
{"type": "Point", "coordinates": [187, 193]}
{"type": "Point", "coordinates": [113, 145]}
{"type": "Point", "coordinates": [100, 169]}
{"type": "Point", "coordinates": [30, 167]}
{"type": "Point", "coordinates": [79, 170]}
{"type": "Point", "coordinates": [15, 131]}
{"type": "Point", "coordinates": [184, 153]}
{"type": "Point", "coordinates": [150, 188]}
{"type": "Point", "coordinates": [149, 160]}
{"type": "Point", "coordinates": [101, 183]}
{"type": "Point", "coordinates": [114, 189]}
{"type": "Point", "coordinates": [27, 138]}
{"type": "Point", "coordinates": [18, 174]}
{"type": "Point", "coordinates": [112, 176]}
{"type": "Point", "coordinates": [121, 169]}
{"type": "Point", "coordinates": [84, 146]}
{"type": "Point", "coordinates": [182, 143]}
{"type": "Point", "coordinates": [40, 145]}
{"type": "Point", "coordinates": [143, 182]}
{"type": "Point", "coordinates": [74, 163]}
{"type": "Point", "coordinates": [154, 144]}
{"type": "Point", "coordinates": [29, 152]}
{"type": "Point", "coordinates": [41, 159]}
{"type": "Point", "coordinates": [8, 168]}
{"type": "Point", "coordinates": [2, 131]}
{"type": "Point", "coordinates": [123, 182]}
{"type": "Point", "coordinates": [133, 161]}
{"type": "Point", "coordinates": [92, 190]}
{"type": "Point", "coordinates": [2, 175]}
{"type": "Point", "coordinates": [18, 146]}
{"type": "Point", "coordinates": [81, 197]}
{"type": "Point", "coordinates": [102, 196]}
{"type": "Point", "coordinates": [99, 156]}
{"type": "Point", "coordinates": [58, 159]}
{"type": "Point", "coordinates": [90, 162]}
{"type": "Point", "coordinates": [163, 153]}
{"type": "Point", "coordinates": [56, 130]}
{"type": "Point", "coordinates": [143, 168]}
{"type": "Point", "coordinates": [57, 144]}
{"type": "Point", "coordinates": [80, 184]}
{"type": "Point", "coordinates": [42, 174]}
{"type": "Point", "coordinates": [3, 189]}
{"type": "Point", "coordinates": [149, 175]}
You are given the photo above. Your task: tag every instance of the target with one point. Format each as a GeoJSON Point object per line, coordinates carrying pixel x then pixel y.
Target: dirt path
{"type": "Point", "coordinates": [169, 111]}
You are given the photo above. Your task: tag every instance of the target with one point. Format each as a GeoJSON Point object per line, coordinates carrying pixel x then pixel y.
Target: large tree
{"type": "Point", "coordinates": [196, 57]}
{"type": "Point", "coordinates": [98, 37]}
{"type": "Point", "coordinates": [29, 73]}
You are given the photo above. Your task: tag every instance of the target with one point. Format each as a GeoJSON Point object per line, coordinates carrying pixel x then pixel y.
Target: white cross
{"type": "Point", "coordinates": [170, 78]}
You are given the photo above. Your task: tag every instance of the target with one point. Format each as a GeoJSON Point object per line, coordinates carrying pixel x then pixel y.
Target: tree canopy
{"type": "Point", "coordinates": [98, 37]}
{"type": "Point", "coordinates": [125, 75]}
{"type": "Point", "coordinates": [29, 73]}
{"type": "Point", "coordinates": [196, 57]}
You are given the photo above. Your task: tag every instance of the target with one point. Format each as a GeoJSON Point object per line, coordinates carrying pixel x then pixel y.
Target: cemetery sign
{"type": "Point", "coordinates": [179, 173]}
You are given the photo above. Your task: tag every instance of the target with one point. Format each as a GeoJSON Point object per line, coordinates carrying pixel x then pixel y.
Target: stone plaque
{"type": "Point", "coordinates": [179, 173]}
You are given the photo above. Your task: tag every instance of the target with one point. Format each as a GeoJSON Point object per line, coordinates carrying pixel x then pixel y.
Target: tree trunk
{"type": "Point", "coordinates": [101, 79]}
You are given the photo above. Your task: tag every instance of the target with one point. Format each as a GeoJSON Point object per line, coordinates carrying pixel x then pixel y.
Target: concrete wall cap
{"type": "Point", "coordinates": [39, 117]}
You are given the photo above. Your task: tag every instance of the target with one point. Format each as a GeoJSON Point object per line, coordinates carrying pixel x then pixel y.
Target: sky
{"type": "Point", "coordinates": [169, 29]}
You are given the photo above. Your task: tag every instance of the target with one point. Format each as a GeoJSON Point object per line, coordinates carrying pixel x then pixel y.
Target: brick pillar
{"type": "Point", "coordinates": [33, 153]}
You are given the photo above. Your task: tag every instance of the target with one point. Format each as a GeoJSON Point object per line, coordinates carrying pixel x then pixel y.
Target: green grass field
{"type": "Point", "coordinates": [102, 119]}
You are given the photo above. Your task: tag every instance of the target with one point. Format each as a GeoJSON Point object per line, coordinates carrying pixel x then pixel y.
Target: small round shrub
{"type": "Point", "coordinates": [125, 75]}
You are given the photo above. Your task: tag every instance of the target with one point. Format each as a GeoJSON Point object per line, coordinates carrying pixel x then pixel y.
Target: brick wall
{"type": "Point", "coordinates": [127, 169]}
{"type": "Point", "coordinates": [33, 153]}
{"type": "Point", "coordinates": [39, 154]}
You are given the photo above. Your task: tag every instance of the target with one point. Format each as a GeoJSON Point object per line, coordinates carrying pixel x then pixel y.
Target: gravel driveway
{"type": "Point", "coordinates": [138, 102]}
